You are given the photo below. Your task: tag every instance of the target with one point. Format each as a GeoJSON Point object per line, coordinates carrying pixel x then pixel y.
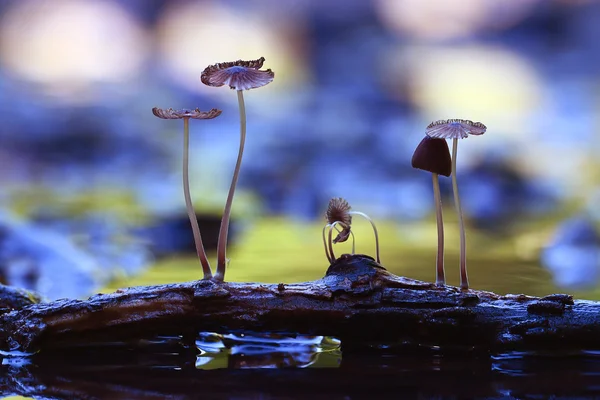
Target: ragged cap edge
{"type": "Point", "coordinates": [249, 77]}
{"type": "Point", "coordinates": [454, 128]}
{"type": "Point", "coordinates": [169, 113]}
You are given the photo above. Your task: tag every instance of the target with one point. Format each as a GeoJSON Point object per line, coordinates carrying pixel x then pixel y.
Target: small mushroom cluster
{"type": "Point", "coordinates": [239, 75]}
{"type": "Point", "coordinates": [432, 155]}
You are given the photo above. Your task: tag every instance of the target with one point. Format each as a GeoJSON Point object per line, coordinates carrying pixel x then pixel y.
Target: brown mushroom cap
{"type": "Point", "coordinates": [454, 129]}
{"type": "Point", "coordinates": [339, 210]}
{"type": "Point", "coordinates": [433, 155]}
{"type": "Point", "coordinates": [169, 113]}
{"type": "Point", "coordinates": [239, 75]}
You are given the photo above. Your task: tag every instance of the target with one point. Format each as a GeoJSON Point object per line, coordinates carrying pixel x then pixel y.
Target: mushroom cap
{"type": "Point", "coordinates": [433, 155]}
{"type": "Point", "coordinates": [239, 75]}
{"type": "Point", "coordinates": [454, 129]}
{"type": "Point", "coordinates": [169, 113]}
{"type": "Point", "coordinates": [339, 210]}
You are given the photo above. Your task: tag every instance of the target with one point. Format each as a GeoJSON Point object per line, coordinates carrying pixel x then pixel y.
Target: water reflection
{"type": "Point", "coordinates": [266, 351]}
{"type": "Point", "coordinates": [167, 367]}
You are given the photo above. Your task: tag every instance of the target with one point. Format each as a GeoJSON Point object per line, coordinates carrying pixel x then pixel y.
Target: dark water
{"type": "Point", "coordinates": [236, 366]}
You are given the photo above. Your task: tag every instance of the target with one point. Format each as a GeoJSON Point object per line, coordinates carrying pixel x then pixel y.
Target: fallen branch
{"type": "Point", "coordinates": [357, 301]}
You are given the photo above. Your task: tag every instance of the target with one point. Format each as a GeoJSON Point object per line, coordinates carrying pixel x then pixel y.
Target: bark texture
{"type": "Point", "coordinates": [357, 301]}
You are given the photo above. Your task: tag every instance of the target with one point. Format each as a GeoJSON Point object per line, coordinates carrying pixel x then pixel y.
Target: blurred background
{"type": "Point", "coordinates": [91, 192]}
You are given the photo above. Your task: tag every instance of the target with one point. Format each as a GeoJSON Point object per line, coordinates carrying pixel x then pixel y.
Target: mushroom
{"type": "Point", "coordinates": [433, 155]}
{"type": "Point", "coordinates": [339, 215]}
{"type": "Point", "coordinates": [457, 129]}
{"type": "Point", "coordinates": [186, 115]}
{"type": "Point", "coordinates": [239, 75]}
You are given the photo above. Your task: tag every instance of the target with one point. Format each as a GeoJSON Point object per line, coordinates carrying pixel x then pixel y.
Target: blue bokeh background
{"type": "Point", "coordinates": [356, 83]}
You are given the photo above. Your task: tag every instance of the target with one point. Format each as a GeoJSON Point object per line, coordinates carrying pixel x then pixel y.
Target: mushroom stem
{"type": "Point", "coordinates": [325, 244]}
{"type": "Point", "coordinates": [374, 231]}
{"type": "Point", "coordinates": [440, 278]}
{"type": "Point", "coordinates": [224, 230]}
{"type": "Point", "coordinates": [188, 202]}
{"type": "Point", "coordinates": [331, 258]}
{"type": "Point", "coordinates": [464, 279]}
{"type": "Point", "coordinates": [330, 241]}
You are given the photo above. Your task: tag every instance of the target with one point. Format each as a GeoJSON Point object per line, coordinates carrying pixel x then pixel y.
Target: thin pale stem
{"type": "Point", "coordinates": [374, 231]}
{"type": "Point", "coordinates": [330, 241]}
{"type": "Point", "coordinates": [224, 230]}
{"type": "Point", "coordinates": [440, 278]}
{"type": "Point", "coordinates": [188, 202]}
{"type": "Point", "coordinates": [464, 279]}
{"type": "Point", "coordinates": [325, 243]}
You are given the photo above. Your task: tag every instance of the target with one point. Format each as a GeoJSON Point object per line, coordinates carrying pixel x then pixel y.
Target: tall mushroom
{"type": "Point", "coordinates": [433, 155]}
{"type": "Point", "coordinates": [239, 75]}
{"type": "Point", "coordinates": [186, 115]}
{"type": "Point", "coordinates": [457, 129]}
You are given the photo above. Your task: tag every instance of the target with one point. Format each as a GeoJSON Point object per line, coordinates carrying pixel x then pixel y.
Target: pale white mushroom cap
{"type": "Point", "coordinates": [454, 129]}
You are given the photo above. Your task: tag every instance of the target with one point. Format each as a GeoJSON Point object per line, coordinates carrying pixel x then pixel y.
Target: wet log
{"type": "Point", "coordinates": [357, 301]}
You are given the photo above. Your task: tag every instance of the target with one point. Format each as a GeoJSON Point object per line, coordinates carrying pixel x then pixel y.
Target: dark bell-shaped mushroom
{"type": "Point", "coordinates": [433, 155]}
